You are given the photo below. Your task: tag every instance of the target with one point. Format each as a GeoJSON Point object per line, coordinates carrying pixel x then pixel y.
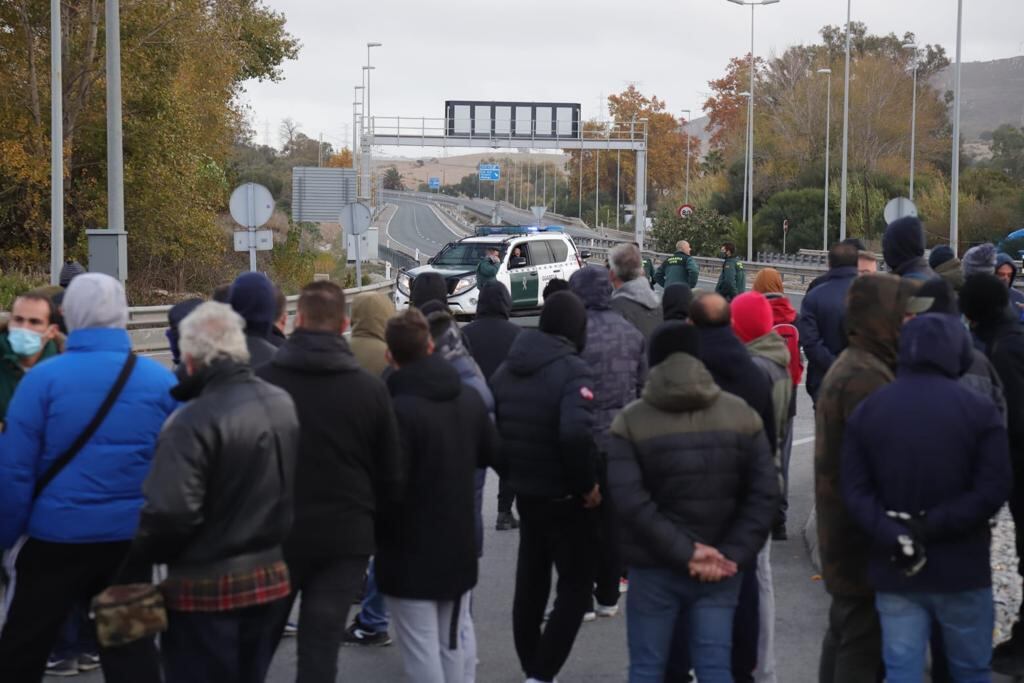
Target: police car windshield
{"type": "Point", "coordinates": [463, 253]}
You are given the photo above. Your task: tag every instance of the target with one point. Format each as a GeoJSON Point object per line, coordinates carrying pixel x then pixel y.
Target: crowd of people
{"type": "Point", "coordinates": [642, 434]}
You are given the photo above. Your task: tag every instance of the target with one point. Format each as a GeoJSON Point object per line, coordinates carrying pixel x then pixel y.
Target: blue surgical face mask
{"type": "Point", "coordinates": [24, 342]}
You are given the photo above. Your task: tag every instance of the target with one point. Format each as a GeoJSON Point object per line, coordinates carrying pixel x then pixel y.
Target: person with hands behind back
{"type": "Point", "coordinates": [691, 473]}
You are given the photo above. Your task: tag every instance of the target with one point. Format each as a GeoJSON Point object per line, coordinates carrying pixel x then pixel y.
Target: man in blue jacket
{"type": "Point", "coordinates": [821, 316]}
{"type": "Point", "coordinates": [924, 494]}
{"type": "Point", "coordinates": [68, 542]}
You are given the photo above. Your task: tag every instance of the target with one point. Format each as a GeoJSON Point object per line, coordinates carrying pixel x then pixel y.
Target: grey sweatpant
{"type": "Point", "coordinates": [425, 629]}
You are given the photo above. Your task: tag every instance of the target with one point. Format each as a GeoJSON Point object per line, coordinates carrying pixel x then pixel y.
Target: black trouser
{"type": "Point", "coordinates": [220, 647]}
{"type": "Point", "coordinates": [49, 578]}
{"type": "Point", "coordinates": [609, 564]}
{"type": "Point", "coordinates": [506, 496]}
{"type": "Point", "coordinates": [1017, 512]}
{"type": "Point", "coordinates": [564, 535]}
{"type": "Point", "coordinates": [328, 585]}
{"type": "Point", "coordinates": [746, 628]}
{"type": "Point", "coordinates": [852, 649]}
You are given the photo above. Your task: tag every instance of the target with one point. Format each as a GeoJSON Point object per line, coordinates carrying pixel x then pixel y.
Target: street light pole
{"type": "Point", "coordinates": [369, 68]}
{"type": "Point", "coordinates": [913, 119]}
{"type": "Point", "coordinates": [846, 128]}
{"type": "Point", "coordinates": [356, 106]}
{"type": "Point", "coordinates": [750, 129]}
{"type": "Point", "coordinates": [954, 205]}
{"type": "Point", "coordinates": [746, 158]}
{"type": "Point", "coordinates": [828, 126]}
{"type": "Point", "coordinates": [115, 146]}
{"type": "Point", "coordinates": [365, 149]}
{"type": "Point", "coordinates": [686, 196]}
{"type": "Point", "coordinates": [56, 146]}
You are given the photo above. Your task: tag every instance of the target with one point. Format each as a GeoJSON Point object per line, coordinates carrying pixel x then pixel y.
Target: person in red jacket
{"type": "Point", "coordinates": [769, 283]}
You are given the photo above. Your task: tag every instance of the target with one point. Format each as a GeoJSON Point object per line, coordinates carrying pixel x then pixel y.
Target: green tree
{"type": "Point", "coordinates": [803, 209]}
{"type": "Point", "coordinates": [393, 179]}
{"type": "Point", "coordinates": [1008, 151]}
{"type": "Point", "coordinates": [705, 230]}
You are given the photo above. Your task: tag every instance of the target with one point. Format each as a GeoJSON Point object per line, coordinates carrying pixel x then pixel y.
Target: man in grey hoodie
{"type": "Point", "coordinates": [633, 297]}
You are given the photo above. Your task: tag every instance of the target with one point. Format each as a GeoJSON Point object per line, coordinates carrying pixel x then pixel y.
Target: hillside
{"type": "Point", "coordinates": [993, 94]}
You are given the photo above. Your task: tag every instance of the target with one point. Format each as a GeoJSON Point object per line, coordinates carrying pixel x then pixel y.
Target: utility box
{"type": "Point", "coordinates": [108, 253]}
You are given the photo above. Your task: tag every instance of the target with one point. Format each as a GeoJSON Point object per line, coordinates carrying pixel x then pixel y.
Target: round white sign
{"type": "Point", "coordinates": [251, 205]}
{"type": "Point", "coordinates": [898, 208]}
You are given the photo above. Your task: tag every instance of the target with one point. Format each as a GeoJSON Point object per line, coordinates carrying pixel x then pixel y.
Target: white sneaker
{"type": "Point", "coordinates": [606, 610]}
{"type": "Point", "coordinates": [589, 616]}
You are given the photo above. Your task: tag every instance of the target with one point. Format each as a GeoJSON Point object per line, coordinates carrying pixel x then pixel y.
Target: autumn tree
{"type": "Point", "coordinates": [393, 179]}
{"type": "Point", "coordinates": [183, 64]}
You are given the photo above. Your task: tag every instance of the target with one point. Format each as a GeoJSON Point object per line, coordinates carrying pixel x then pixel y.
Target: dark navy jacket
{"type": "Point", "coordinates": [822, 335]}
{"type": "Point", "coordinates": [615, 350]}
{"type": "Point", "coordinates": [926, 444]}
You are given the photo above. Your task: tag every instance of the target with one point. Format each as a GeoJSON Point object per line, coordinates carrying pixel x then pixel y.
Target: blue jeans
{"type": "Point", "coordinates": [966, 620]}
{"type": "Point", "coordinates": [656, 598]}
{"type": "Point", "coordinates": [373, 613]}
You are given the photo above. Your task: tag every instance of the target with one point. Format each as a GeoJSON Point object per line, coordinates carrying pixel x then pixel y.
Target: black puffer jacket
{"type": "Point", "coordinates": [491, 334]}
{"type": "Point", "coordinates": [219, 494]}
{"type": "Point", "coordinates": [544, 399]}
{"type": "Point", "coordinates": [426, 545]}
{"type": "Point", "coordinates": [348, 451]}
{"type": "Point", "coordinates": [690, 463]}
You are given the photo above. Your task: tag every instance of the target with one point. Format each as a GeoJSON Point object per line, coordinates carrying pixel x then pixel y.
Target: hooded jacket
{"type": "Point", "coordinates": [426, 545]}
{"type": "Point", "coordinates": [952, 272]}
{"type": "Point", "coordinates": [675, 302]}
{"type": "Point", "coordinates": [689, 463]}
{"type": "Point", "coordinates": [97, 496]}
{"type": "Point", "coordinates": [784, 322]}
{"type": "Point", "coordinates": [544, 396]}
{"type": "Point", "coordinates": [945, 455]}
{"type": "Point", "coordinates": [348, 454]}
{"type": "Point", "coordinates": [253, 297]}
{"type": "Point", "coordinates": [220, 493]}
{"type": "Point", "coordinates": [639, 305]}
{"type": "Point", "coordinates": [11, 370]}
{"type": "Point", "coordinates": [370, 315]}
{"type": "Point", "coordinates": [733, 369]}
{"type": "Point", "coordinates": [1016, 296]}
{"type": "Point", "coordinates": [903, 249]}
{"type": "Point", "coordinates": [1004, 340]}
{"type": "Point", "coordinates": [821, 326]}
{"type": "Point", "coordinates": [874, 316]}
{"type": "Point", "coordinates": [491, 334]}
{"type": "Point", "coordinates": [769, 353]}
{"type": "Point", "coordinates": [615, 350]}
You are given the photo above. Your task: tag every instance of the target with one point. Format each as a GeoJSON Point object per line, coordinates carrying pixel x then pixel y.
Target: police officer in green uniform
{"type": "Point", "coordinates": [679, 267]}
{"type": "Point", "coordinates": [487, 269]}
{"type": "Point", "coordinates": [733, 280]}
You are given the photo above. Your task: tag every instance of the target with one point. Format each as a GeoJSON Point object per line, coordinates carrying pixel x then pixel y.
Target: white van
{"type": "Point", "coordinates": [530, 256]}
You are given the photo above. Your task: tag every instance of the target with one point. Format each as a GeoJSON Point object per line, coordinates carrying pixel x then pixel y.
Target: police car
{"type": "Point", "coordinates": [530, 257]}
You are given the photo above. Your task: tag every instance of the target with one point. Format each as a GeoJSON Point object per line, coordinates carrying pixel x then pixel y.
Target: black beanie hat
{"type": "Point", "coordinates": [674, 336]}
{"type": "Point", "coordinates": [984, 298]}
{"type": "Point", "coordinates": [564, 315]}
{"type": "Point", "coordinates": [428, 287]}
{"type": "Point", "coordinates": [253, 297]}
{"type": "Point", "coordinates": [940, 255]}
{"type": "Point", "coordinates": [675, 302]}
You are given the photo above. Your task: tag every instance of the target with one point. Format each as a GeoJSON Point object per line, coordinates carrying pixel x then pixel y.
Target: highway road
{"type": "Point", "coordinates": [415, 226]}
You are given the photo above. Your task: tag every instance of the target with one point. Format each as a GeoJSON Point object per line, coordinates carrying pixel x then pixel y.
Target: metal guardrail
{"type": "Point", "coordinates": [146, 324]}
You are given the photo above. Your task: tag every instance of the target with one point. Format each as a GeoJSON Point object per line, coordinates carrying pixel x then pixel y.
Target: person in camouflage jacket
{"type": "Point", "coordinates": [875, 305]}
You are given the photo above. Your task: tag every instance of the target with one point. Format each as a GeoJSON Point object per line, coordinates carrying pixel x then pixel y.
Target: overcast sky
{"type": "Point", "coordinates": [565, 50]}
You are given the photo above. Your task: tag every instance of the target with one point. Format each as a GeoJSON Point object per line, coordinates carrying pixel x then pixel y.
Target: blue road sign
{"type": "Point", "coordinates": [434, 183]}
{"type": "Point", "coordinates": [490, 172]}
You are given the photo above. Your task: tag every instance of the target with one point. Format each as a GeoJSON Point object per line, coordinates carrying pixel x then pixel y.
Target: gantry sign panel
{"type": "Point", "coordinates": [516, 120]}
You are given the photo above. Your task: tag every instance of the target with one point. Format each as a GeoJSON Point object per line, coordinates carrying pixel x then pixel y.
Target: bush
{"type": "Point", "coordinates": [13, 284]}
{"type": "Point", "coordinates": [705, 230]}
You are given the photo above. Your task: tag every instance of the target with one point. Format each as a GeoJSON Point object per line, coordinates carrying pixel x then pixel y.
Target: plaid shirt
{"type": "Point", "coordinates": [228, 592]}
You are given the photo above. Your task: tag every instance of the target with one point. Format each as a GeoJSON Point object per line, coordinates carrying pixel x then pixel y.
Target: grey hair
{"type": "Point", "coordinates": [213, 332]}
{"type": "Point", "coordinates": [625, 262]}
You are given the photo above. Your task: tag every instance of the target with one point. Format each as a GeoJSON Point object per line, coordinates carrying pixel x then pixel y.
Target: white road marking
{"type": "Point", "coordinates": [801, 442]}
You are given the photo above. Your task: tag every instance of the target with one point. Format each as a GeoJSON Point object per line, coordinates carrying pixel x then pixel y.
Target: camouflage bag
{"type": "Point", "coordinates": [128, 613]}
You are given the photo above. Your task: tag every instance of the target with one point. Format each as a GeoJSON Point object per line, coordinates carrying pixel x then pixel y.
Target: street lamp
{"type": "Point", "coordinates": [56, 146]}
{"type": "Point", "coordinates": [686, 123]}
{"type": "Point", "coordinates": [828, 125]}
{"type": "Point", "coordinates": [954, 206]}
{"type": "Point", "coordinates": [846, 128]}
{"type": "Point", "coordinates": [913, 117]}
{"type": "Point", "coordinates": [368, 70]}
{"type": "Point", "coordinates": [746, 163]}
{"type": "Point", "coordinates": [356, 105]}
{"type": "Point", "coordinates": [750, 126]}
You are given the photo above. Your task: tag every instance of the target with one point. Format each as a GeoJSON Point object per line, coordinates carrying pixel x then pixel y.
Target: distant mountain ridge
{"type": "Point", "coordinates": [993, 94]}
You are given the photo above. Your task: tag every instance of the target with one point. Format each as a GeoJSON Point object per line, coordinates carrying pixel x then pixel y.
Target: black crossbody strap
{"type": "Point", "coordinates": [83, 438]}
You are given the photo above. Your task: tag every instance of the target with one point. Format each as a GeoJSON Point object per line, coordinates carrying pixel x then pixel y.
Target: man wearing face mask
{"type": "Point", "coordinates": [29, 337]}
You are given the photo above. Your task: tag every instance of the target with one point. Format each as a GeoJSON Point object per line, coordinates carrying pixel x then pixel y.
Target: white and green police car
{"type": "Point", "coordinates": [530, 257]}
